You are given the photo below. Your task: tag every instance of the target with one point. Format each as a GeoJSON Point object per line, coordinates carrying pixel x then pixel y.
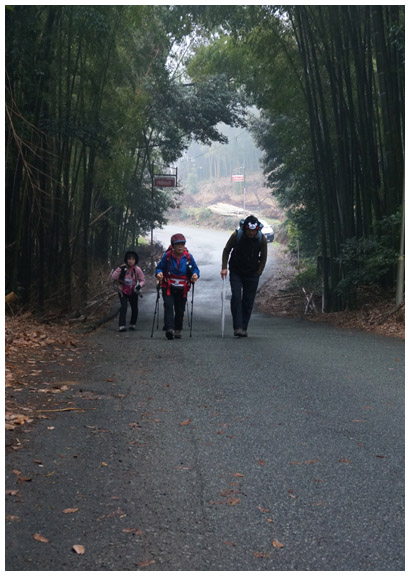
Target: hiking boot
{"type": "Point", "coordinates": [240, 333]}
{"type": "Point", "coordinates": [122, 329]}
{"type": "Point", "coordinates": [169, 334]}
{"type": "Point", "coordinates": [132, 327]}
{"type": "Point", "coordinates": [177, 334]}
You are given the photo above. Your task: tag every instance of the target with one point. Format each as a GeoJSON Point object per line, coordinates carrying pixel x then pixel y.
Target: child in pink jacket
{"type": "Point", "coordinates": [130, 281]}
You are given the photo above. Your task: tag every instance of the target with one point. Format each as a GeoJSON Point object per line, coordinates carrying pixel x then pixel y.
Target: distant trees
{"type": "Point", "coordinates": [239, 155]}
{"type": "Point", "coordinates": [93, 106]}
{"type": "Point", "coordinates": [329, 81]}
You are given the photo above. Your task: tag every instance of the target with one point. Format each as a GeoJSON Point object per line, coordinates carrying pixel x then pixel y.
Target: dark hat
{"type": "Point", "coordinates": [251, 223]}
{"type": "Point", "coordinates": [178, 239]}
{"type": "Point", "coordinates": [131, 253]}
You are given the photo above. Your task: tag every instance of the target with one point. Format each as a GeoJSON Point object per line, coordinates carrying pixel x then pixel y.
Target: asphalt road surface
{"type": "Point", "coordinates": [282, 451]}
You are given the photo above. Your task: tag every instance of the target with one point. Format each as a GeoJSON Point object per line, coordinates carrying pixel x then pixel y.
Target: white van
{"type": "Point", "coordinates": [267, 231]}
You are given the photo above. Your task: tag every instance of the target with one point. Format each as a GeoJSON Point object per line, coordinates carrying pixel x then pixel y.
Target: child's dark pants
{"type": "Point", "coordinates": [133, 299]}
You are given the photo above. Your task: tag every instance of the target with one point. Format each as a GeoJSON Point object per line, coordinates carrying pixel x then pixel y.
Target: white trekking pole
{"type": "Point", "coordinates": [223, 294]}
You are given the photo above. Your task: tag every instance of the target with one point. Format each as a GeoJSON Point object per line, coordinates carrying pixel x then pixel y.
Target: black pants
{"type": "Point", "coordinates": [133, 300]}
{"type": "Point", "coordinates": [174, 308]}
{"type": "Point", "coordinates": [243, 295]}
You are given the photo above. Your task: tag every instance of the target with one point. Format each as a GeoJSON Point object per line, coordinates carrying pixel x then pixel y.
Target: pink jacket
{"type": "Point", "coordinates": [133, 276]}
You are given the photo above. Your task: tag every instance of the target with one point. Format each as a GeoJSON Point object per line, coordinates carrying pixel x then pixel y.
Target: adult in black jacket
{"type": "Point", "coordinates": [247, 251]}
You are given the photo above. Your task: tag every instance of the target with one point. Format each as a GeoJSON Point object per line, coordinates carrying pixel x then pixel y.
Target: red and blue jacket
{"type": "Point", "coordinates": [177, 272]}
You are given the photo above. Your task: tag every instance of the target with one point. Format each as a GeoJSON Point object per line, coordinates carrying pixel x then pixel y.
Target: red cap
{"type": "Point", "coordinates": [178, 239]}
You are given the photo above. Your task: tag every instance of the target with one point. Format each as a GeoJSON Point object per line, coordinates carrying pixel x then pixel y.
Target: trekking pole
{"type": "Point", "coordinates": [187, 313]}
{"type": "Point", "coordinates": [155, 311]}
{"type": "Point", "coordinates": [223, 294]}
{"type": "Point", "coordinates": [192, 310]}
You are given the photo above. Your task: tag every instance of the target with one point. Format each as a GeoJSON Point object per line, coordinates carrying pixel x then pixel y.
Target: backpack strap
{"type": "Point", "coordinates": [123, 273]}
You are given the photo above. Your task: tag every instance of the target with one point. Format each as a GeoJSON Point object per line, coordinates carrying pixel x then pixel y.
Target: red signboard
{"type": "Point", "coordinates": [238, 177]}
{"type": "Point", "coordinates": [165, 181]}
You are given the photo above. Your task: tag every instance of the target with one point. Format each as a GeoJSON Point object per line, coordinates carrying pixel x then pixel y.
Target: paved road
{"type": "Point", "coordinates": [283, 451]}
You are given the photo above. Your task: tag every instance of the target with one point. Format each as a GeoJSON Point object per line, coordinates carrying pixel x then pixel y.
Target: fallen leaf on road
{"type": "Point", "coordinates": [229, 492]}
{"type": "Point", "coordinates": [185, 422]}
{"type": "Point", "coordinates": [22, 479]}
{"type": "Point", "coordinates": [237, 474]}
{"type": "Point", "coordinates": [345, 461]}
{"type": "Point", "coordinates": [263, 509]}
{"type": "Point", "coordinates": [261, 555]}
{"type": "Point", "coordinates": [70, 510]}
{"type": "Point", "coordinates": [40, 538]}
{"type": "Point", "coordinates": [276, 544]}
{"type": "Point", "coordinates": [133, 531]}
{"type": "Point", "coordinates": [146, 563]}
{"type": "Point", "coordinates": [13, 420]}
{"type": "Point", "coordinates": [117, 512]}
{"type": "Point", "coordinates": [78, 549]}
